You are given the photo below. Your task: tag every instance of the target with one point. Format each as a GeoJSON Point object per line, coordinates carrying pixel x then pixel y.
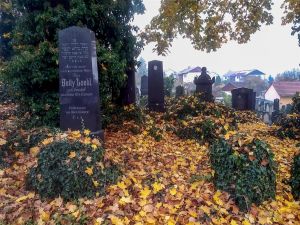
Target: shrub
{"type": "Point", "coordinates": [202, 131]}
{"type": "Point", "coordinates": [71, 169]}
{"type": "Point", "coordinates": [295, 177]}
{"type": "Point", "coordinates": [290, 127]}
{"type": "Point", "coordinates": [117, 115]}
{"type": "Point", "coordinates": [247, 172]}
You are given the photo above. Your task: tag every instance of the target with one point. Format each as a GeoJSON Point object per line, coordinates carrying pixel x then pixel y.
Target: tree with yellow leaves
{"type": "Point", "coordinates": [211, 23]}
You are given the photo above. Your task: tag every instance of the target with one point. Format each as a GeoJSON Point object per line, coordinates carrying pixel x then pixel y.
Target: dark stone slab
{"type": "Point", "coordinates": [179, 91]}
{"type": "Point", "coordinates": [128, 95]}
{"type": "Point", "coordinates": [78, 76]}
{"type": "Point", "coordinates": [243, 99]}
{"type": "Point", "coordinates": [276, 105]}
{"type": "Point", "coordinates": [144, 85]}
{"type": "Point", "coordinates": [156, 100]}
{"type": "Point", "coordinates": [204, 85]}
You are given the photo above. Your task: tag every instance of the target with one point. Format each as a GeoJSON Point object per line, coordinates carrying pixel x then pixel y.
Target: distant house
{"type": "Point", "coordinates": [239, 76]}
{"type": "Point", "coordinates": [232, 85]}
{"type": "Point", "coordinates": [283, 90]}
{"type": "Point", "coordinates": [188, 75]}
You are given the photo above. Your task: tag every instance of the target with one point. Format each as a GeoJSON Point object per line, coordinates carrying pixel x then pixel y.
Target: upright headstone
{"type": "Point", "coordinates": [156, 100]}
{"type": "Point", "coordinates": [179, 91]}
{"type": "Point", "coordinates": [144, 85]}
{"type": "Point", "coordinates": [78, 76]}
{"type": "Point", "coordinates": [243, 99]}
{"type": "Point", "coordinates": [276, 105]}
{"type": "Point", "coordinates": [204, 85]}
{"type": "Point", "coordinates": [127, 94]}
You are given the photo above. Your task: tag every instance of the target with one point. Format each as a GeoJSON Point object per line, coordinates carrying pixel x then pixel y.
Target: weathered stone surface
{"type": "Point", "coordinates": [156, 100]}
{"type": "Point", "coordinates": [243, 99]}
{"type": "Point", "coordinates": [79, 86]}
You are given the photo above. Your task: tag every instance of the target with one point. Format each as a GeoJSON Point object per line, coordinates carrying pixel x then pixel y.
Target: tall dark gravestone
{"type": "Point", "coordinates": [204, 85]}
{"type": "Point", "coordinates": [156, 100]}
{"type": "Point", "coordinates": [144, 85]}
{"type": "Point", "coordinates": [243, 99]}
{"type": "Point", "coordinates": [78, 77]}
{"type": "Point", "coordinates": [128, 95]}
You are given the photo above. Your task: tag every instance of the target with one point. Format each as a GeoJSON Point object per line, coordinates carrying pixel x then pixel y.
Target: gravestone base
{"type": "Point", "coordinates": [157, 107]}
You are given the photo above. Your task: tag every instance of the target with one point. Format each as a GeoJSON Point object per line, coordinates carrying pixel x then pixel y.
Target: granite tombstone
{"type": "Point", "coordinates": [78, 76]}
{"type": "Point", "coordinates": [243, 99]}
{"type": "Point", "coordinates": [179, 91]}
{"type": "Point", "coordinates": [204, 85]}
{"type": "Point", "coordinates": [127, 94]}
{"type": "Point", "coordinates": [156, 100]}
{"type": "Point", "coordinates": [144, 85]}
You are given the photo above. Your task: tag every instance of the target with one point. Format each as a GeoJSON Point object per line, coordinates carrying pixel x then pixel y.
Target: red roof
{"type": "Point", "coordinates": [287, 88]}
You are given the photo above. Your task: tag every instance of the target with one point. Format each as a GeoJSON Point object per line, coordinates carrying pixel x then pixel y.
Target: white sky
{"type": "Point", "coordinates": [272, 49]}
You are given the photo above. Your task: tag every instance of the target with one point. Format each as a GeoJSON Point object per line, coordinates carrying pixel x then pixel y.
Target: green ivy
{"type": "Point", "coordinates": [57, 174]}
{"type": "Point", "coordinates": [295, 177]}
{"type": "Point", "coordinates": [248, 174]}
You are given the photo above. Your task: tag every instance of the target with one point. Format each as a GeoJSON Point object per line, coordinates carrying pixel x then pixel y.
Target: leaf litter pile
{"type": "Point", "coordinates": [165, 179]}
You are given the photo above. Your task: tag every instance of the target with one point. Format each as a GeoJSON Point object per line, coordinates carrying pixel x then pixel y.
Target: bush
{"type": "Point", "coordinates": [205, 130]}
{"type": "Point", "coordinates": [290, 127]}
{"type": "Point", "coordinates": [295, 177]}
{"type": "Point", "coordinates": [71, 169]}
{"type": "Point", "coordinates": [247, 172]}
{"type": "Point", "coordinates": [117, 115]}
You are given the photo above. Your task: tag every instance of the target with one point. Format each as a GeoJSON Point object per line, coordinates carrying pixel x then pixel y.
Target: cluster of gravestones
{"type": "Point", "coordinates": [79, 85]}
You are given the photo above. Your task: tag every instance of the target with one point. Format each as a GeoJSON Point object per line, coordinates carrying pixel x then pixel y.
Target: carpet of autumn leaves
{"type": "Point", "coordinates": [163, 182]}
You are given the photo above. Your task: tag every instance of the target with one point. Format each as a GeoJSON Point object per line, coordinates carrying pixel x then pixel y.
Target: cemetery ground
{"type": "Point", "coordinates": [166, 173]}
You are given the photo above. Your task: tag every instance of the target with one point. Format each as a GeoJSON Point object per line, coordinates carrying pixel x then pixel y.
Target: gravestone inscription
{"type": "Point", "coordinates": [78, 76]}
{"type": "Point", "coordinates": [156, 100]}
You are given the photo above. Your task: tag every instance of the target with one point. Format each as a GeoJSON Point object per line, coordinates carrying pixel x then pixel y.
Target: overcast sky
{"type": "Point", "coordinates": [271, 50]}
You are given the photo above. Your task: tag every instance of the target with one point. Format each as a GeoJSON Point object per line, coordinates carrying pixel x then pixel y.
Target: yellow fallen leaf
{"type": "Point", "coordinates": [86, 132]}
{"type": "Point", "coordinates": [47, 141]}
{"type": "Point", "coordinates": [76, 214]}
{"type": "Point", "coordinates": [145, 192]}
{"type": "Point", "coordinates": [34, 151]}
{"type": "Point", "coordinates": [89, 171]}
{"type": "Point", "coordinates": [72, 155]}
{"type": "Point", "coordinates": [205, 209]}
{"type": "Point", "coordinates": [115, 220]}
{"type": "Point", "coordinates": [96, 183]}
{"type": "Point", "coordinates": [246, 222]}
{"type": "Point", "coordinates": [2, 141]}
{"type": "Point", "coordinates": [25, 197]}
{"type": "Point", "coordinates": [125, 200]}
{"type": "Point", "coordinates": [173, 191]}
{"type": "Point", "coordinates": [45, 216]}
{"type": "Point", "coordinates": [121, 185]}
{"type": "Point", "coordinates": [157, 187]}
{"type": "Point", "coordinates": [233, 222]}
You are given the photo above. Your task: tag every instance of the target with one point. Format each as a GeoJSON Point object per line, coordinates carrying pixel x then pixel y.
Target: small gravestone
{"type": "Point", "coordinates": [243, 99]}
{"type": "Point", "coordinates": [276, 104]}
{"type": "Point", "coordinates": [144, 85]}
{"type": "Point", "coordinates": [179, 91]}
{"type": "Point", "coordinates": [78, 76]}
{"type": "Point", "coordinates": [204, 85]}
{"type": "Point", "coordinates": [156, 100]}
{"type": "Point", "coordinates": [127, 94]}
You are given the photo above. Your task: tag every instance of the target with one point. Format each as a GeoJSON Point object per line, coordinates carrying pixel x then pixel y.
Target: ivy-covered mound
{"type": "Point", "coordinates": [194, 119]}
{"type": "Point", "coordinates": [290, 125]}
{"type": "Point", "coordinates": [295, 177]}
{"type": "Point", "coordinates": [71, 167]}
{"type": "Point", "coordinates": [246, 170]}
